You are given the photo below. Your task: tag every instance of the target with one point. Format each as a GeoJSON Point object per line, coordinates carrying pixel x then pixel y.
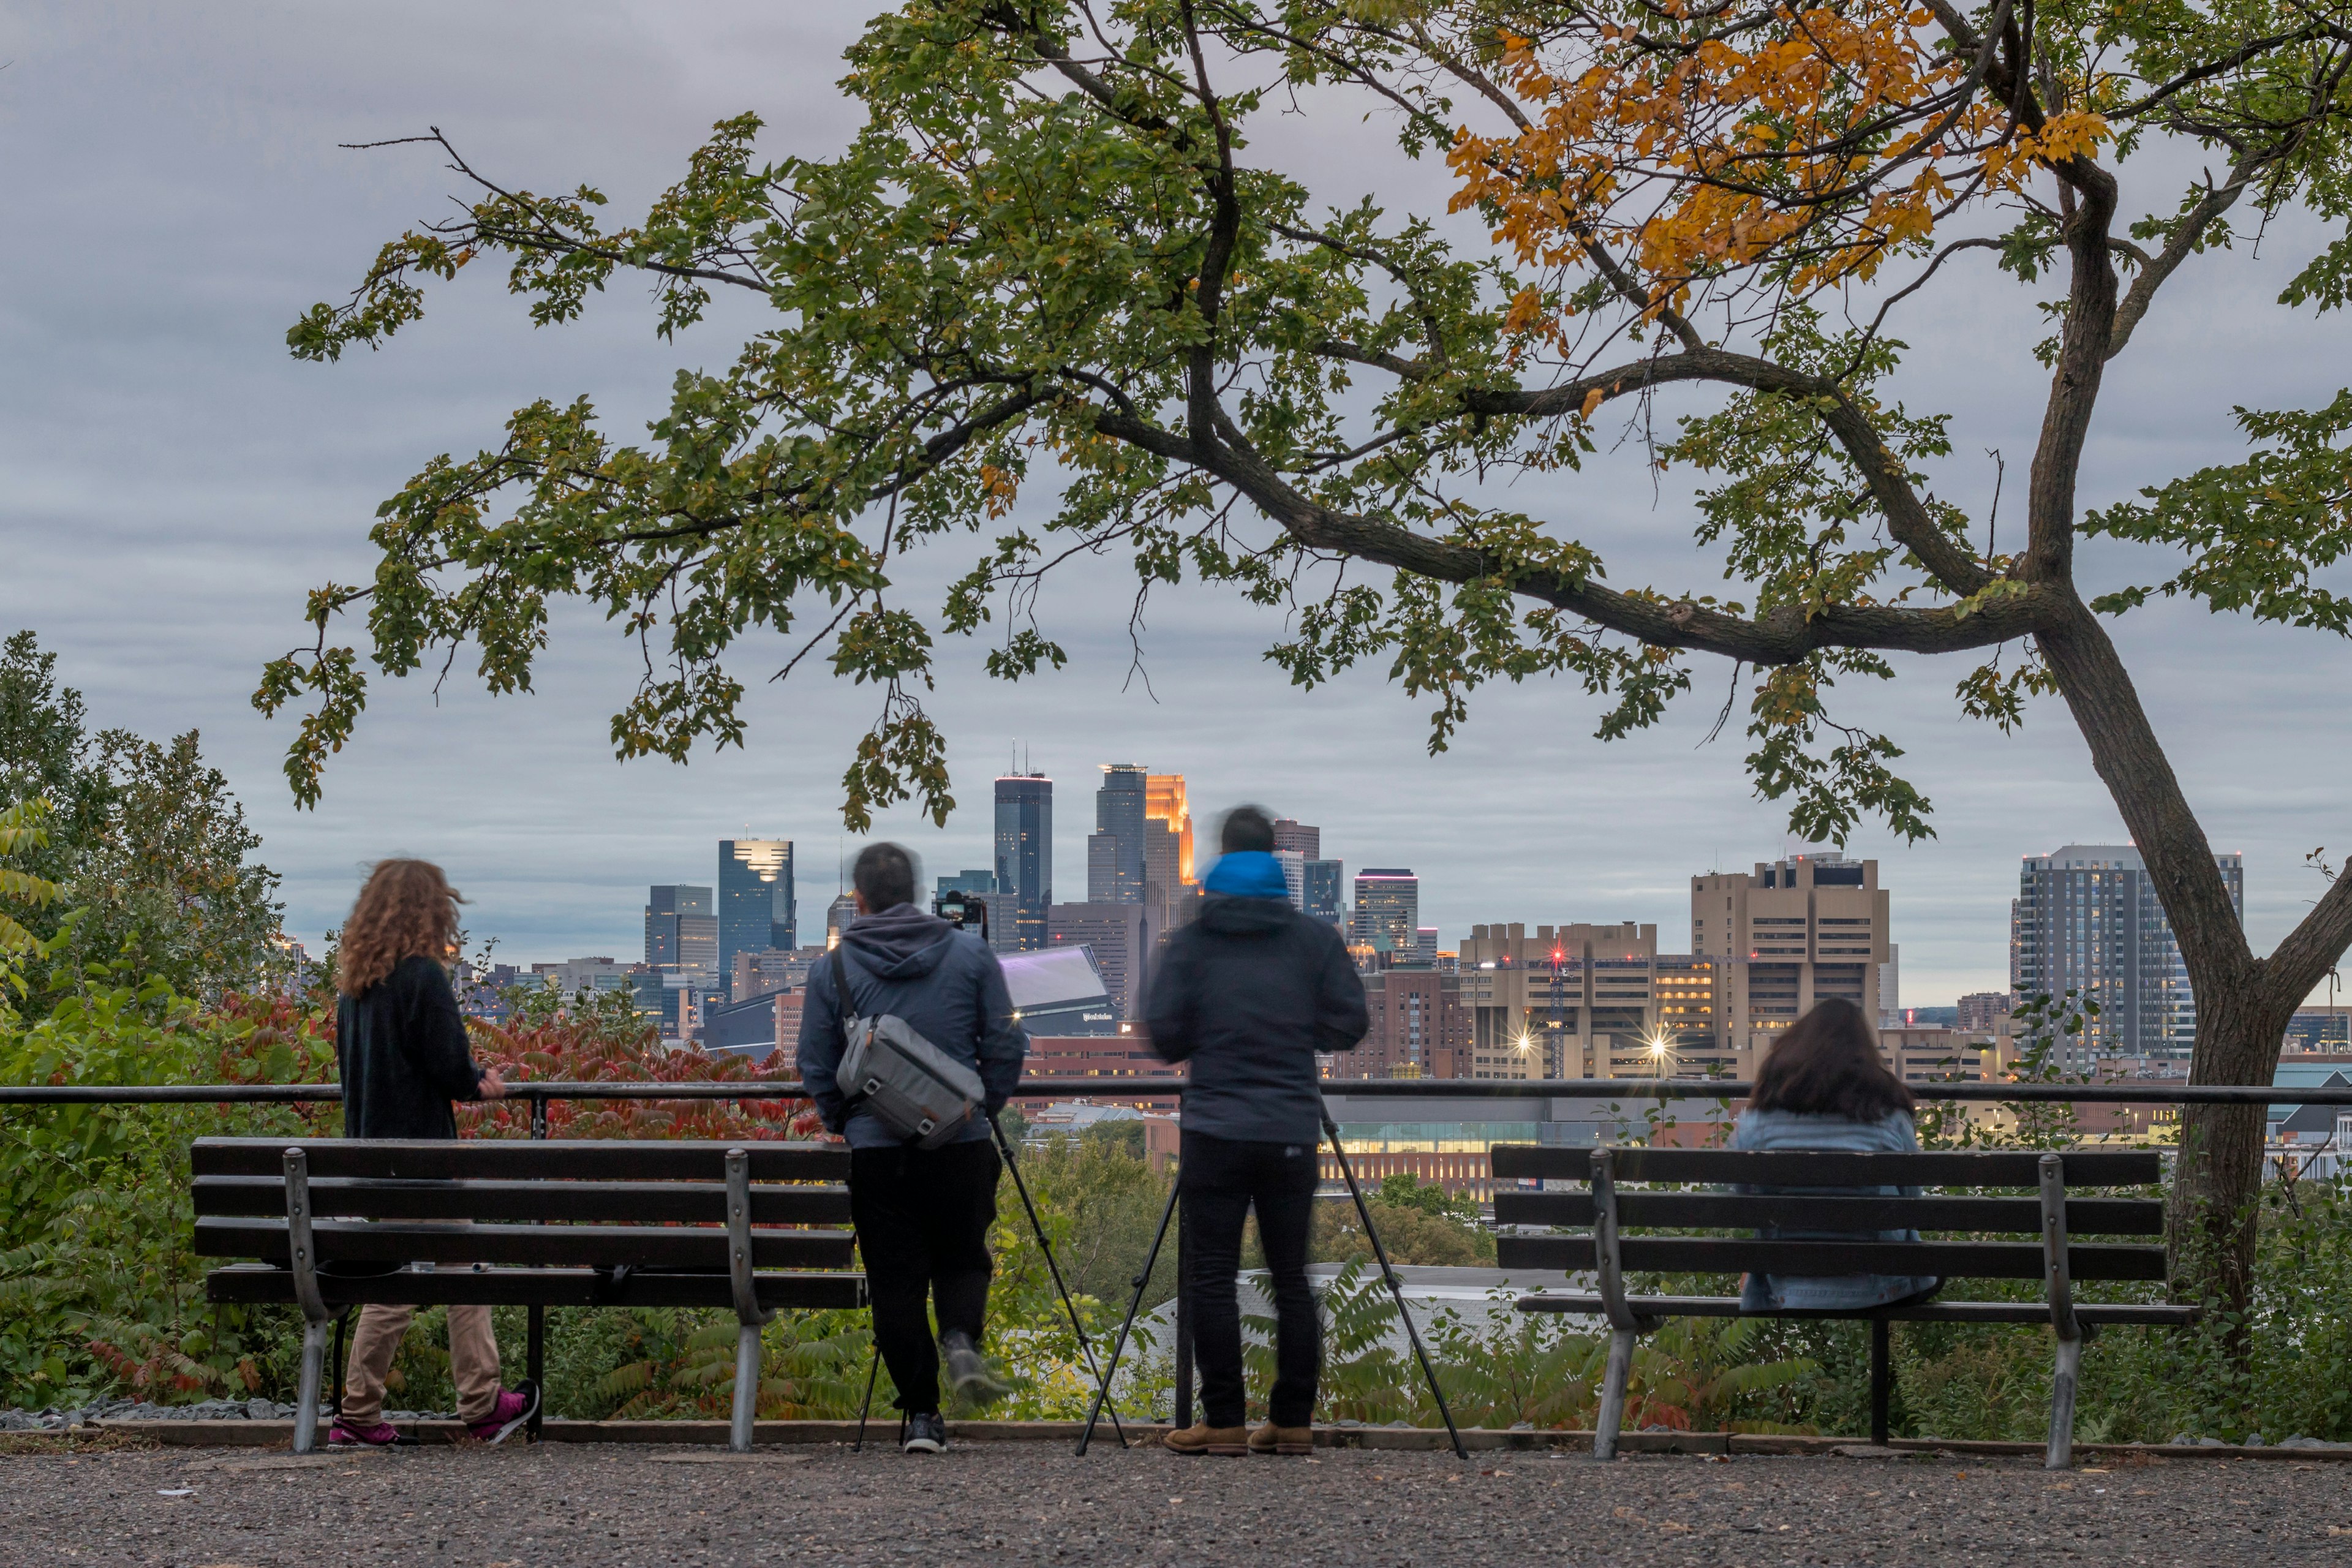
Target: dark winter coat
{"type": "Point", "coordinates": [944, 982]}
{"type": "Point", "coordinates": [401, 1052]}
{"type": "Point", "coordinates": [1247, 995]}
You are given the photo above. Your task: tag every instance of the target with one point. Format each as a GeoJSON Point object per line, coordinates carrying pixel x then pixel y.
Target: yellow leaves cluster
{"type": "Point", "coordinates": [1828, 139]}
{"type": "Point", "coordinates": [999, 487]}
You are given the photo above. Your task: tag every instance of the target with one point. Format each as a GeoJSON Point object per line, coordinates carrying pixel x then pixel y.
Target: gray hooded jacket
{"type": "Point", "coordinates": [948, 986]}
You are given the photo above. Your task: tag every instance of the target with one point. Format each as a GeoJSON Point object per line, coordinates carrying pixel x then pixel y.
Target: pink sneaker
{"type": "Point", "coordinates": [514, 1407]}
{"type": "Point", "coordinates": [350, 1434]}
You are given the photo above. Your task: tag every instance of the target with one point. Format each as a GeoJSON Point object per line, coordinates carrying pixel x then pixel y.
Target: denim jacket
{"type": "Point", "coordinates": [1892, 1134]}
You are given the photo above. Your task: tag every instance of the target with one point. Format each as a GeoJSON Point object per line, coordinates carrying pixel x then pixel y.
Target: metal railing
{"type": "Point", "coordinates": [1143, 1087]}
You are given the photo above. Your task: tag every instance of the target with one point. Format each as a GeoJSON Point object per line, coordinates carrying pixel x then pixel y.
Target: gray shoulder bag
{"type": "Point", "coordinates": [916, 1089]}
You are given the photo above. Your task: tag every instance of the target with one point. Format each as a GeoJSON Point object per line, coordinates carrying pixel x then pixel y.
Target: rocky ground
{"type": "Point", "coordinates": [1032, 1503]}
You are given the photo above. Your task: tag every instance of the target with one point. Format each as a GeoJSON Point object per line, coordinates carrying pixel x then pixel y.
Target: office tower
{"type": "Point", "coordinates": [755, 898]}
{"type": "Point", "coordinates": [1025, 862]}
{"type": "Point", "coordinates": [1116, 933]}
{"type": "Point", "coordinates": [1890, 986]}
{"type": "Point", "coordinates": [2088, 920]}
{"type": "Point", "coordinates": [1589, 1001]}
{"type": "Point", "coordinates": [1115, 851]}
{"type": "Point", "coordinates": [681, 931]}
{"type": "Point", "coordinates": [1322, 882]}
{"type": "Point", "coordinates": [1164, 801]}
{"type": "Point", "coordinates": [967, 881]}
{"type": "Point", "coordinates": [1793, 933]}
{"type": "Point", "coordinates": [1293, 876]}
{"type": "Point", "coordinates": [837, 916]}
{"type": "Point", "coordinates": [1388, 910]}
{"type": "Point", "coordinates": [1305, 842]}
{"type": "Point", "coordinates": [1425, 946]}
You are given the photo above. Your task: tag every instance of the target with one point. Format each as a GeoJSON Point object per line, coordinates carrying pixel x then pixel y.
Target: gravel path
{"type": "Point", "coordinates": [1034, 1503]}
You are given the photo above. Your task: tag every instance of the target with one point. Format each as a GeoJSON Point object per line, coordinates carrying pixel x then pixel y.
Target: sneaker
{"type": "Point", "coordinates": [1268, 1438]}
{"type": "Point", "coordinates": [1202, 1439]}
{"type": "Point", "coordinates": [924, 1433]}
{"type": "Point", "coordinates": [514, 1407]}
{"type": "Point", "coordinates": [363, 1435]}
{"type": "Point", "coordinates": [968, 1374]}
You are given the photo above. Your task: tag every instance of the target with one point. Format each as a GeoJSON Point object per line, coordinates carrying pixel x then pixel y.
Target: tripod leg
{"type": "Point", "coordinates": [872, 1373]}
{"type": "Point", "coordinates": [1119, 1346]}
{"type": "Point", "coordinates": [1086, 1346]}
{"type": "Point", "coordinates": [1396, 1289]}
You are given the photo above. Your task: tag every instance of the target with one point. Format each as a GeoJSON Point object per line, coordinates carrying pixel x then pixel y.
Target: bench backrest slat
{"type": "Point", "coordinates": [1708, 1211]}
{"type": "Point", "coordinates": [1734, 1255]}
{"type": "Point", "coordinates": [518, 1159]}
{"type": "Point", "coordinates": [610, 1202]}
{"type": "Point", "coordinates": [538, 1246]}
{"type": "Point", "coordinates": [2003, 1168]}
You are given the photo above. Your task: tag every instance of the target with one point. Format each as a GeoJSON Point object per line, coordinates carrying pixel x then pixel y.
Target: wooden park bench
{"type": "Point", "coordinates": [336, 1223]}
{"type": "Point", "coordinates": [2051, 1215]}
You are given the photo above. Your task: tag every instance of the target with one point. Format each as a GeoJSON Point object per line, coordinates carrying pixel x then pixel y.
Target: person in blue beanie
{"type": "Point", "coordinates": [1247, 994]}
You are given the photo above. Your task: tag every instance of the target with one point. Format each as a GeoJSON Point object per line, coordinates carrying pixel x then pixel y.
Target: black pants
{"type": "Point", "coordinates": [1221, 1178]}
{"type": "Point", "coordinates": [922, 1218]}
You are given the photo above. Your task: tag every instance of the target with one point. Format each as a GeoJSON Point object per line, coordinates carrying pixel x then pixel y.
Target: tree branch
{"type": "Point", "coordinates": [2184, 240]}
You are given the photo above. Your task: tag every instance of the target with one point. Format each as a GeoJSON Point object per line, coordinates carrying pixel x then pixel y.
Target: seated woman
{"type": "Point", "coordinates": [1822, 1086]}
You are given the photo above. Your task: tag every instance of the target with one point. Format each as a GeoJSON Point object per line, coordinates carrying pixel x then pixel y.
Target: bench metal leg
{"type": "Point", "coordinates": [1881, 1379]}
{"type": "Point", "coordinates": [747, 1386]}
{"type": "Point", "coordinates": [2063, 1379]}
{"type": "Point", "coordinates": [306, 1403]}
{"type": "Point", "coordinates": [1612, 1394]}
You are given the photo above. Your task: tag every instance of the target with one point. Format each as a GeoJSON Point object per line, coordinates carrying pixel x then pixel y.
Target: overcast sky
{"type": "Point", "coordinates": [171, 483]}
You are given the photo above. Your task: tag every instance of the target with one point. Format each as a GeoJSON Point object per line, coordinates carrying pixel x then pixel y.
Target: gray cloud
{"type": "Point", "coordinates": [175, 483]}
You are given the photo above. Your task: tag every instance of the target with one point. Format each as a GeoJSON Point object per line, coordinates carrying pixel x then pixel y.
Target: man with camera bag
{"type": "Point", "coordinates": [907, 1045]}
{"type": "Point", "coordinates": [1248, 993]}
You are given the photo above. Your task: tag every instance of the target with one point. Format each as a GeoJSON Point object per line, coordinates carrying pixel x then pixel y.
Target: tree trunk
{"type": "Point", "coordinates": [2218, 1176]}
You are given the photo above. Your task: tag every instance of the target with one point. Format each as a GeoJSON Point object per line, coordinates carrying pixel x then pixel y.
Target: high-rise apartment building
{"type": "Point", "coordinates": [1792, 932]}
{"type": "Point", "coordinates": [1388, 910]}
{"type": "Point", "coordinates": [755, 898]}
{"type": "Point", "coordinates": [1981, 1012]}
{"type": "Point", "coordinates": [681, 931]}
{"type": "Point", "coordinates": [1591, 1001]}
{"type": "Point", "coordinates": [2088, 919]}
{"type": "Point", "coordinates": [1298, 839]}
{"type": "Point", "coordinates": [1025, 862]}
{"type": "Point", "coordinates": [1115, 849]}
{"type": "Point", "coordinates": [1116, 931]}
{"type": "Point", "coordinates": [1419, 1029]}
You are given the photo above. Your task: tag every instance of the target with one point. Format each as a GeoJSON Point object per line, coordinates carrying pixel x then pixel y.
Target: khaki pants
{"type": "Point", "coordinates": [473, 1360]}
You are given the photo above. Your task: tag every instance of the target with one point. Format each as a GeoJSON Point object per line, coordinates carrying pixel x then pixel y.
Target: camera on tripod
{"type": "Point", "coordinates": [968, 911]}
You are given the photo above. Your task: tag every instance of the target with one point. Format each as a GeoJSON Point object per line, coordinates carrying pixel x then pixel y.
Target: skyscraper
{"type": "Point", "coordinates": [1164, 801]}
{"type": "Point", "coordinates": [1024, 861]}
{"type": "Point", "coordinates": [2088, 919]}
{"type": "Point", "coordinates": [1115, 849]}
{"type": "Point", "coordinates": [680, 931]}
{"type": "Point", "coordinates": [755, 898]}
{"type": "Point", "coordinates": [1324, 880]}
{"type": "Point", "coordinates": [1298, 839]}
{"type": "Point", "coordinates": [1387, 910]}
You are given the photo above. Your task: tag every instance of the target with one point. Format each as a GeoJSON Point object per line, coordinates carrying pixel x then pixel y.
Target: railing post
{"type": "Point", "coordinates": [535, 1320]}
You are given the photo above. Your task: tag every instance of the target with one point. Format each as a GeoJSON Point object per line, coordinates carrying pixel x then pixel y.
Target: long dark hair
{"type": "Point", "coordinates": [407, 908]}
{"type": "Point", "coordinates": [1827, 1064]}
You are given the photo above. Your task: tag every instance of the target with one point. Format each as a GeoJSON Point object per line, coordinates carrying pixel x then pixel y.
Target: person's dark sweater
{"type": "Point", "coordinates": [401, 1051]}
{"type": "Point", "coordinates": [944, 982]}
{"type": "Point", "coordinates": [1248, 993]}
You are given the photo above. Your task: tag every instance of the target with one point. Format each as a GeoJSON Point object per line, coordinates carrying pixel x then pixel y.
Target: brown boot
{"type": "Point", "coordinates": [1269, 1439]}
{"type": "Point", "coordinates": [1202, 1439]}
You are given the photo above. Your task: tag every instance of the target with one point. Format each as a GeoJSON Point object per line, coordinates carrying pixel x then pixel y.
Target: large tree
{"type": "Point", "coordinates": [1051, 259]}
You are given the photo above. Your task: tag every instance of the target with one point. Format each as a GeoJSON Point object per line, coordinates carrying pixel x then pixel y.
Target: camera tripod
{"type": "Point", "coordinates": [1387, 1276]}
{"type": "Point", "coordinates": [1085, 1345]}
